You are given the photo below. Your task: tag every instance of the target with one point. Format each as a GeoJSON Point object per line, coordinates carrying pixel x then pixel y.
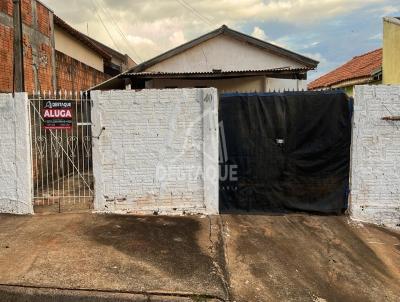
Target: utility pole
{"type": "Point", "coordinates": [18, 48]}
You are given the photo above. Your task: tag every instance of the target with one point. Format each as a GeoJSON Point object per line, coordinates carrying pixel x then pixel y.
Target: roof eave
{"type": "Point", "coordinates": [176, 50]}
{"type": "Point", "coordinates": [392, 20]}
{"type": "Point", "coordinates": [308, 62]}
{"type": "Point", "coordinates": [296, 73]}
{"type": "Point", "coordinates": [273, 48]}
{"type": "Point", "coordinates": [345, 82]}
{"type": "Point", "coordinates": [80, 36]}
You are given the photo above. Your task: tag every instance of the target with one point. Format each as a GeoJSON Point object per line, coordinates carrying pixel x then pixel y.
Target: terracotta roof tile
{"type": "Point", "coordinates": [358, 67]}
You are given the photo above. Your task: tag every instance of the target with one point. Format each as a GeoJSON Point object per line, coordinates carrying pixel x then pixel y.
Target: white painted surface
{"type": "Point", "coordinates": [15, 158]}
{"type": "Point", "coordinates": [72, 47]}
{"type": "Point", "coordinates": [236, 84]}
{"type": "Point", "coordinates": [245, 84]}
{"type": "Point", "coordinates": [375, 168]}
{"type": "Point", "coordinates": [174, 130]}
{"type": "Point", "coordinates": [225, 53]}
{"type": "Point", "coordinates": [285, 84]}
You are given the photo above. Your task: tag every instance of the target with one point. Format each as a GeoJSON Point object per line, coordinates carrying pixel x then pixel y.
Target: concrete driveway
{"type": "Point", "coordinates": [310, 258]}
{"type": "Point", "coordinates": [89, 257]}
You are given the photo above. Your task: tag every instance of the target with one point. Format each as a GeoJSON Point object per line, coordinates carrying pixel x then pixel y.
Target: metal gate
{"type": "Point", "coordinates": [290, 151]}
{"type": "Point", "coordinates": [61, 153]}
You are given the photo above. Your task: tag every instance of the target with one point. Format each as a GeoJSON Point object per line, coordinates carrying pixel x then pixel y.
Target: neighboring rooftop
{"type": "Point", "coordinates": [395, 20]}
{"type": "Point", "coordinates": [107, 49]}
{"type": "Point", "coordinates": [81, 37]}
{"type": "Point", "coordinates": [360, 67]}
{"type": "Point", "coordinates": [106, 52]}
{"type": "Point", "coordinates": [225, 30]}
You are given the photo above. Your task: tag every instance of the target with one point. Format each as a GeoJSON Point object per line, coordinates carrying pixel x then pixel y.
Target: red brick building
{"type": "Point", "coordinates": [56, 56]}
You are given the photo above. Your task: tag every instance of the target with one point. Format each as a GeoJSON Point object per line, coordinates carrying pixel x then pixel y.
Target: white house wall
{"type": "Point", "coordinates": [158, 151]}
{"type": "Point", "coordinates": [72, 47]}
{"type": "Point", "coordinates": [225, 53]}
{"type": "Point", "coordinates": [375, 167]}
{"type": "Point", "coordinates": [288, 84]}
{"type": "Point", "coordinates": [245, 84]}
{"type": "Point", "coordinates": [237, 84]}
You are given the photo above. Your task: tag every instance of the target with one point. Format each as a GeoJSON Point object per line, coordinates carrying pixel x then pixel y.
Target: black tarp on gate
{"type": "Point", "coordinates": [291, 151]}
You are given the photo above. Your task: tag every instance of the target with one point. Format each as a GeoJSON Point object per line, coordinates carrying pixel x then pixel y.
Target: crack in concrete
{"type": "Point", "coordinates": [218, 253]}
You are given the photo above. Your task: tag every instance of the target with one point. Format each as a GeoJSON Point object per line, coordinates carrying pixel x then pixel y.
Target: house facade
{"type": "Point", "coordinates": [225, 59]}
{"type": "Point", "coordinates": [56, 56]}
{"type": "Point", "coordinates": [391, 50]}
{"type": "Point", "coordinates": [362, 69]}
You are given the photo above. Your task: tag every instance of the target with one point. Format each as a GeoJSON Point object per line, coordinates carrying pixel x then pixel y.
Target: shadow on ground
{"type": "Point", "coordinates": [168, 244]}
{"type": "Point", "coordinates": [111, 252]}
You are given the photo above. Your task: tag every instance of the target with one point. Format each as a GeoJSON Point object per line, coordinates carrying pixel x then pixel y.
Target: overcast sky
{"type": "Point", "coordinates": [330, 31]}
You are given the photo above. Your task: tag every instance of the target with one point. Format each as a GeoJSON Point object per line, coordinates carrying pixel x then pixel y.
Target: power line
{"type": "Point", "coordinates": [105, 27]}
{"type": "Point", "coordinates": [107, 12]}
{"type": "Point", "coordinates": [194, 11]}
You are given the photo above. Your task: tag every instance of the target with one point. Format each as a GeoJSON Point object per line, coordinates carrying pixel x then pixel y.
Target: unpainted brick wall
{"type": "Point", "coordinates": [6, 6]}
{"type": "Point", "coordinates": [73, 75]}
{"type": "Point", "coordinates": [6, 58]}
{"type": "Point", "coordinates": [43, 19]}
{"type": "Point", "coordinates": [6, 48]}
{"type": "Point", "coordinates": [39, 71]}
{"type": "Point", "coordinates": [15, 160]}
{"type": "Point", "coordinates": [158, 151]}
{"type": "Point", "coordinates": [375, 169]}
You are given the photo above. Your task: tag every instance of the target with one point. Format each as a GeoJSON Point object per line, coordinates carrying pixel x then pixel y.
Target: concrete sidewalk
{"type": "Point", "coordinates": [145, 257]}
{"type": "Point", "coordinates": [242, 258]}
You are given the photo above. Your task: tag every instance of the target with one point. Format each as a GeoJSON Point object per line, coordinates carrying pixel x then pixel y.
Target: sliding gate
{"type": "Point", "coordinates": [61, 153]}
{"type": "Point", "coordinates": [285, 151]}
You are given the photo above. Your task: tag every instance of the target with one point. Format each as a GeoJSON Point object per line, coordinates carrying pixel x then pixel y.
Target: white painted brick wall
{"type": "Point", "coordinates": [174, 130]}
{"type": "Point", "coordinates": [375, 168]}
{"type": "Point", "coordinates": [15, 158]}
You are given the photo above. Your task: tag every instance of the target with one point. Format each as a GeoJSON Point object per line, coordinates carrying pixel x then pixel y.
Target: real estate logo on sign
{"type": "Point", "coordinates": [57, 114]}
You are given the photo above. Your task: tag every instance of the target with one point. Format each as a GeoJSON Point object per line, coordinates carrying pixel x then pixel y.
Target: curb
{"type": "Point", "coordinates": [15, 293]}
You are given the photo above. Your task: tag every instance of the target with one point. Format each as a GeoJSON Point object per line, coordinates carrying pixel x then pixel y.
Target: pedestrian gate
{"type": "Point", "coordinates": [61, 153]}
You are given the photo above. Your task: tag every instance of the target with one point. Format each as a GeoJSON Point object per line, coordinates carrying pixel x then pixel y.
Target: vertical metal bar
{"type": "Point", "coordinates": [88, 147]}
{"type": "Point", "coordinates": [42, 142]}
{"type": "Point", "coordinates": [68, 163]}
{"type": "Point", "coordinates": [39, 124]}
{"type": "Point", "coordinates": [59, 148]}
{"type": "Point", "coordinates": [35, 186]}
{"type": "Point", "coordinates": [83, 148]}
{"type": "Point", "coordinates": [32, 143]}
{"type": "Point", "coordinates": [69, 155]}
{"type": "Point", "coordinates": [62, 166]}
{"type": "Point", "coordinates": [52, 161]}
{"type": "Point", "coordinates": [77, 148]}
{"type": "Point", "coordinates": [47, 161]}
{"type": "Point", "coordinates": [57, 173]}
{"type": "Point", "coordinates": [73, 154]}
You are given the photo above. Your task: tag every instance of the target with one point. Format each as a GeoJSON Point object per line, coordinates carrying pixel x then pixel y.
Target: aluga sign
{"type": "Point", "coordinates": [57, 115]}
